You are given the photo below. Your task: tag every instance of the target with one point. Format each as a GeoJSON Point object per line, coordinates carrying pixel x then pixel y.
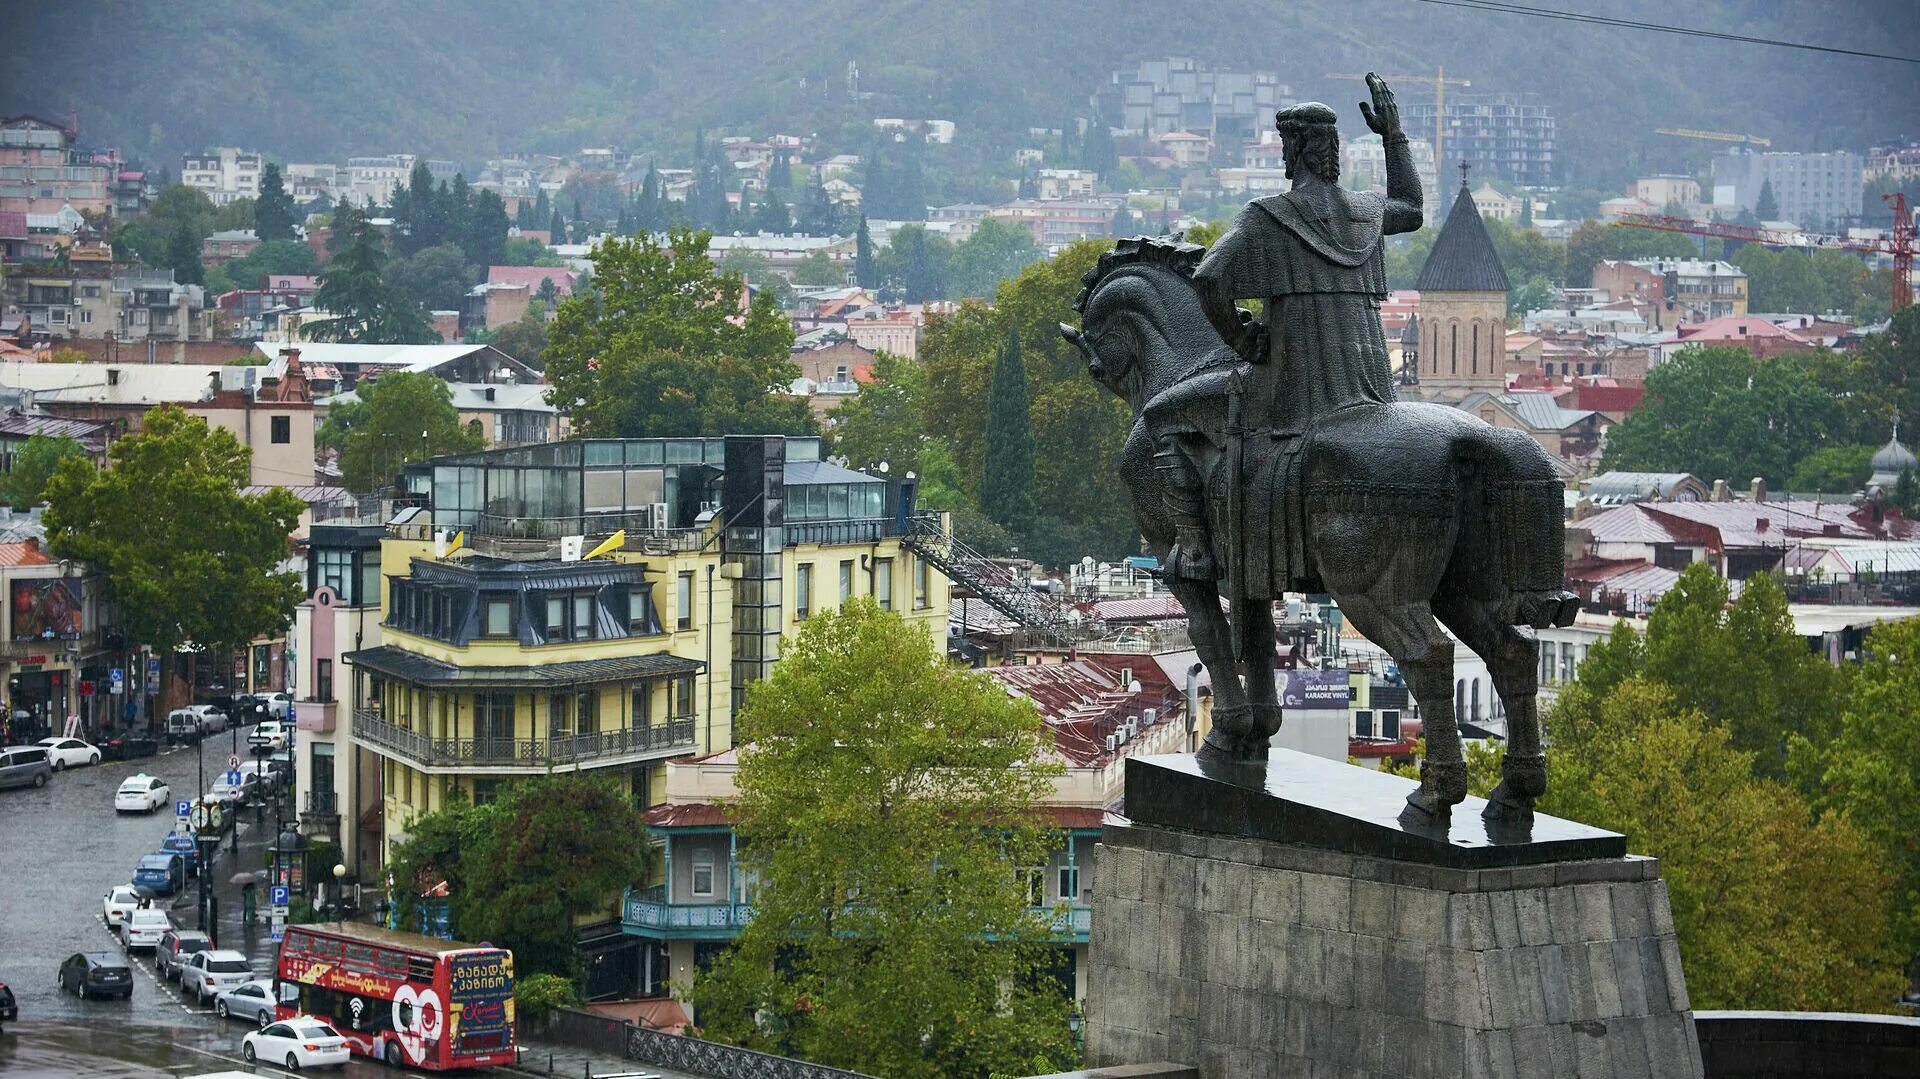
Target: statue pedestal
{"type": "Point", "coordinates": [1306, 931]}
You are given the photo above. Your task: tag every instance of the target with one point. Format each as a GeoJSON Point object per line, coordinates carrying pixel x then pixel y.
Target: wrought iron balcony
{"type": "Point", "coordinates": [323, 803]}
{"type": "Point", "coordinates": [648, 914]}
{"type": "Point", "coordinates": [599, 747]}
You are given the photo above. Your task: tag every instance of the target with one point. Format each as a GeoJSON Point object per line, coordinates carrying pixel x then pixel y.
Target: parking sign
{"type": "Point", "coordinates": [183, 809]}
{"type": "Point", "coordinates": [280, 895]}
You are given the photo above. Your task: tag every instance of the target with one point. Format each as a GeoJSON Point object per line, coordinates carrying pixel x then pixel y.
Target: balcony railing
{"type": "Point", "coordinates": [561, 749]}
{"type": "Point", "coordinates": [325, 803]}
{"type": "Point", "coordinates": [647, 911]}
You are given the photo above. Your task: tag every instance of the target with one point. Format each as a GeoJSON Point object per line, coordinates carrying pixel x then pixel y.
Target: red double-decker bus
{"type": "Point", "coordinates": [405, 999]}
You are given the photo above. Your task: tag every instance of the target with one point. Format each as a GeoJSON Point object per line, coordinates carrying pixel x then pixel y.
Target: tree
{"type": "Point", "coordinates": [1122, 225]}
{"type": "Point", "coordinates": [147, 238]}
{"type": "Point", "coordinates": [818, 270]}
{"type": "Point", "coordinates": [364, 308]}
{"type": "Point", "coordinates": [183, 256]}
{"type": "Point", "coordinates": [406, 416]}
{"type": "Point", "coordinates": [271, 258]}
{"type": "Point", "coordinates": [1833, 470]}
{"type": "Point", "coordinates": [780, 171]}
{"type": "Point", "coordinates": [878, 770]}
{"type": "Point", "coordinates": [556, 228]}
{"type": "Point", "coordinates": [996, 251]}
{"type": "Point", "coordinates": [526, 337]}
{"type": "Point", "coordinates": [1006, 483]}
{"type": "Point", "coordinates": [882, 423]}
{"type": "Point", "coordinates": [662, 348]}
{"type": "Point", "coordinates": [485, 239]}
{"type": "Point", "coordinates": [541, 870]}
{"type": "Point", "coordinates": [863, 265]}
{"type": "Point", "coordinates": [1592, 242]}
{"type": "Point", "coordinates": [187, 558]}
{"type": "Point", "coordinates": [34, 464]}
{"type": "Point", "coordinates": [918, 262]}
{"type": "Point", "coordinates": [1766, 207]}
{"type": "Point", "coordinates": [771, 215]}
{"type": "Point", "coordinates": [443, 847]}
{"type": "Point", "coordinates": [436, 278]}
{"type": "Point", "coordinates": [273, 210]}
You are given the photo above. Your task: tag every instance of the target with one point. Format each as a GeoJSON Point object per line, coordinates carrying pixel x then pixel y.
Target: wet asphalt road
{"type": "Point", "coordinates": [61, 848]}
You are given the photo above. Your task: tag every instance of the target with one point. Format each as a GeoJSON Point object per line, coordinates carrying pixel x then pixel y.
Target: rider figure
{"type": "Point", "coordinates": [1315, 256]}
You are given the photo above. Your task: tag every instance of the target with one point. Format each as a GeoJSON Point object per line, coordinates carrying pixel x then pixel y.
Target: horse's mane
{"type": "Point", "coordinates": [1175, 255]}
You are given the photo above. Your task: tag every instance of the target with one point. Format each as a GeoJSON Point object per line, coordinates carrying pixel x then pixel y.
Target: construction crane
{"type": "Point", "coordinates": [1899, 244]}
{"type": "Point", "coordinates": [1713, 136]}
{"type": "Point", "coordinates": [1439, 81]}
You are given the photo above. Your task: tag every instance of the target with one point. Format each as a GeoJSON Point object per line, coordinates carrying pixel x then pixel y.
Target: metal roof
{"type": "Point", "coordinates": [1463, 258]}
{"type": "Point", "coordinates": [1538, 410]}
{"type": "Point", "coordinates": [420, 670]}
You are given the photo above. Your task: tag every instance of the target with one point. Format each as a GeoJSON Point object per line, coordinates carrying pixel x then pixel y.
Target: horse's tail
{"type": "Point", "coordinates": [1520, 516]}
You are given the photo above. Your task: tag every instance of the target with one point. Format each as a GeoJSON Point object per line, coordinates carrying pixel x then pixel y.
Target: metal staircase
{"type": "Point", "coordinates": [994, 584]}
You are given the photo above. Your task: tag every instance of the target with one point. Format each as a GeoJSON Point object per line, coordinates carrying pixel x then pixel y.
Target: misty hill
{"type": "Point", "coordinates": [307, 79]}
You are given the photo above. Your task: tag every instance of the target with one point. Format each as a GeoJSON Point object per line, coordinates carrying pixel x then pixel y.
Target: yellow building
{"type": "Point", "coordinates": [512, 654]}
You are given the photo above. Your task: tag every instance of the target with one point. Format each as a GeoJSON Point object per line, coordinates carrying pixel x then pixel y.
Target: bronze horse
{"type": "Point", "coordinates": [1406, 513]}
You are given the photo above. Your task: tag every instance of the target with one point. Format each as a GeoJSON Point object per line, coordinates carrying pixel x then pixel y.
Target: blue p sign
{"type": "Point", "coordinates": [183, 809]}
{"type": "Point", "coordinates": [280, 896]}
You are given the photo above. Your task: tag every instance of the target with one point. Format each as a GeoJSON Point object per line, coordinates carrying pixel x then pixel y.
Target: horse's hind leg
{"type": "Point", "coordinates": [1232, 733]}
{"type": "Point", "coordinates": [1512, 656]}
{"type": "Point", "coordinates": [1425, 655]}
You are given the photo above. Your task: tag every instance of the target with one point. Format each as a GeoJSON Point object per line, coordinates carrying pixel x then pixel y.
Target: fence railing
{"type": "Point", "coordinates": [721, 1061]}
{"type": "Point", "coordinates": [647, 910]}
{"type": "Point", "coordinates": [524, 752]}
{"type": "Point", "coordinates": [318, 801]}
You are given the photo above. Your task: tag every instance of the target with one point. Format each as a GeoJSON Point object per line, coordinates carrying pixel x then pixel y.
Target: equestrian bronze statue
{"type": "Point", "coordinates": [1268, 455]}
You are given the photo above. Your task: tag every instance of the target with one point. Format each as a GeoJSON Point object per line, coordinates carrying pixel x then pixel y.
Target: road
{"type": "Point", "coordinates": [61, 848]}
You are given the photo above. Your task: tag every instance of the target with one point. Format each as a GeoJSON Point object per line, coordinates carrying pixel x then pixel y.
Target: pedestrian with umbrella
{"type": "Point", "coordinates": [249, 893]}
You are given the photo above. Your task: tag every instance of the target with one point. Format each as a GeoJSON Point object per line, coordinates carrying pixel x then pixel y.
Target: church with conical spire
{"type": "Point", "coordinates": [1463, 309]}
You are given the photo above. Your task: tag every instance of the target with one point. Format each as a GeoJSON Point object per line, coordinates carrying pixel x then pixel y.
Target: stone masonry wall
{"type": "Point", "coordinates": [1262, 959]}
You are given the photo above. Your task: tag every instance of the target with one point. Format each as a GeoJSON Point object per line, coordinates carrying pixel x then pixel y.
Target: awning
{"type": "Point", "coordinates": [419, 670]}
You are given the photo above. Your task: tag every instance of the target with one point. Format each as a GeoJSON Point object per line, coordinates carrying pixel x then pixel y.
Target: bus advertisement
{"type": "Point", "coordinates": [405, 999]}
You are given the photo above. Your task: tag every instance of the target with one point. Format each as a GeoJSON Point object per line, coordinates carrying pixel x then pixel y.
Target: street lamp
{"type": "Point", "coordinates": [339, 882]}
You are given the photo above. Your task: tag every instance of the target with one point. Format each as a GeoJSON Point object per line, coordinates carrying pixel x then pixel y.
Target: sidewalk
{"type": "Point", "coordinates": [544, 1058]}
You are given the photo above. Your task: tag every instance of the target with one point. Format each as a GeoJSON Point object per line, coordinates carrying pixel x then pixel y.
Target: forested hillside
{"type": "Point", "coordinates": [305, 79]}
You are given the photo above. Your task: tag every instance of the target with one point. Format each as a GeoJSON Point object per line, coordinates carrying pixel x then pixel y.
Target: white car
{"type": "Point", "coordinates": [142, 929]}
{"type": "Point", "coordinates": [207, 974]}
{"type": "Point", "coordinates": [272, 733]}
{"type": "Point", "coordinates": [300, 1042]}
{"type": "Point", "coordinates": [69, 752]}
{"type": "Point", "coordinates": [141, 793]}
{"type": "Point", "coordinates": [117, 904]}
{"type": "Point", "coordinates": [279, 705]}
{"type": "Point", "coordinates": [251, 1001]}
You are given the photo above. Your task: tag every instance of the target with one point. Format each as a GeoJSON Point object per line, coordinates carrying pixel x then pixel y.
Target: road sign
{"type": "Point", "coordinates": [233, 760]}
{"type": "Point", "coordinates": [278, 924]}
{"type": "Point", "coordinates": [233, 777]}
{"type": "Point", "coordinates": [86, 689]}
{"type": "Point", "coordinates": [280, 895]}
{"type": "Point", "coordinates": [183, 809]}
{"type": "Point", "coordinates": [116, 674]}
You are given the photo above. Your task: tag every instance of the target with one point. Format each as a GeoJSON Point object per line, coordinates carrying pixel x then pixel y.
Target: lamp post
{"type": "Point", "coordinates": [339, 882]}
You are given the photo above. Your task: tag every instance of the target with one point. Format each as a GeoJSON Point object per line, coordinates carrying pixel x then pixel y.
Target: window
{"type": "Point", "coordinates": [683, 601]}
{"type": "Point", "coordinates": [883, 583]}
{"type": "Point", "coordinates": [323, 680]}
{"type": "Point", "coordinates": [282, 430]}
{"type": "Point", "coordinates": [639, 619]}
{"type": "Point", "coordinates": [683, 697]}
{"type": "Point", "coordinates": [486, 792]}
{"type": "Point", "coordinates": [499, 617]}
{"type": "Point", "coordinates": [846, 580]}
{"type": "Point", "coordinates": [702, 873]}
{"type": "Point", "coordinates": [1033, 882]}
{"type": "Point", "coordinates": [586, 712]}
{"type": "Point", "coordinates": [556, 618]}
{"type": "Point", "coordinates": [642, 712]}
{"type": "Point", "coordinates": [1069, 882]}
{"type": "Point", "coordinates": [920, 581]}
{"type": "Point", "coordinates": [582, 616]}
{"type": "Point", "coordinates": [803, 590]}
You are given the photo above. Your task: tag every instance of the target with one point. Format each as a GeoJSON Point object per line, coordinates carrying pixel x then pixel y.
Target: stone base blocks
{"type": "Point", "coordinates": [1254, 958]}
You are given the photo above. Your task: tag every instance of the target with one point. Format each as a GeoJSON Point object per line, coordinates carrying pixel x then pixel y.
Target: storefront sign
{"type": "Point", "coordinates": [46, 607]}
{"type": "Point", "coordinates": [1312, 689]}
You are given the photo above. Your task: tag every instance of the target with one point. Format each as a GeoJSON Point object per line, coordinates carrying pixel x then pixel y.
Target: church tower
{"type": "Point", "coordinates": [1463, 308]}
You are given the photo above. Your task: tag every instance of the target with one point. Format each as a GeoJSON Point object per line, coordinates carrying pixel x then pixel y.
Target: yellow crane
{"type": "Point", "coordinates": [1439, 81]}
{"type": "Point", "coordinates": [1713, 136]}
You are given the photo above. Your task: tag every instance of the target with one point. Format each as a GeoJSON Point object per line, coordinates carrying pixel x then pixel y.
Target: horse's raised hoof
{"type": "Point", "coordinates": [1425, 807]}
{"type": "Point", "coordinates": [1507, 806]}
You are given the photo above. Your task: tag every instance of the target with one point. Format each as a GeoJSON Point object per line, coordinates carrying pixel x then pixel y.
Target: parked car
{"type": "Point", "coordinates": [232, 794]}
{"type": "Point", "coordinates": [116, 903]}
{"type": "Point", "coordinates": [143, 928]}
{"type": "Point", "coordinates": [183, 844]}
{"type": "Point", "coordinates": [270, 778]}
{"type": "Point", "coordinates": [9, 1008]}
{"type": "Point", "coordinates": [24, 766]}
{"type": "Point", "coordinates": [281, 764]}
{"type": "Point", "coordinates": [69, 752]}
{"type": "Point", "coordinates": [279, 705]}
{"type": "Point", "coordinates": [272, 733]}
{"type": "Point", "coordinates": [206, 973]}
{"type": "Point", "coordinates": [183, 726]}
{"type": "Point", "coordinates": [300, 1042]}
{"type": "Point", "coordinates": [96, 974]}
{"type": "Point", "coordinates": [127, 747]}
{"type": "Point", "coordinates": [251, 1001]}
{"type": "Point", "coordinates": [175, 947]}
{"type": "Point", "coordinates": [161, 873]}
{"type": "Point", "coordinates": [141, 793]}
{"type": "Point", "coordinates": [203, 719]}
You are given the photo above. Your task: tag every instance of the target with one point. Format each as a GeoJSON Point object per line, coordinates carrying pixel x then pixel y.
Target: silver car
{"type": "Point", "coordinates": [251, 1001]}
{"type": "Point", "coordinates": [24, 766]}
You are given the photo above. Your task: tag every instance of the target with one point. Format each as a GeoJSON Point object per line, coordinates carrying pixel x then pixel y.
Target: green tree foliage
{"type": "Point", "coordinates": [485, 239]}
{"type": "Point", "coordinates": [1719, 413]}
{"type": "Point", "coordinates": [882, 423]}
{"type": "Point", "coordinates": [234, 216]}
{"type": "Point", "coordinates": [1792, 280]}
{"type": "Point", "coordinates": [1592, 242]}
{"type": "Point", "coordinates": [405, 416]}
{"type": "Point", "coordinates": [880, 771]}
{"type": "Point", "coordinates": [443, 847]}
{"type": "Point", "coordinates": [1006, 481]}
{"type": "Point", "coordinates": [1766, 207]}
{"type": "Point", "coordinates": [183, 256]}
{"type": "Point", "coordinates": [820, 271]}
{"type": "Point", "coordinates": [1772, 909]}
{"type": "Point", "coordinates": [863, 262]}
{"type": "Point", "coordinates": [1080, 505]}
{"type": "Point", "coordinates": [273, 217]}
{"type": "Point", "coordinates": [146, 237]}
{"type": "Point", "coordinates": [25, 484]}
{"type": "Point", "coordinates": [187, 557]}
{"type": "Point", "coordinates": [916, 263]}
{"type": "Point", "coordinates": [1097, 153]}
{"type": "Point", "coordinates": [525, 338]}
{"type": "Point", "coordinates": [364, 308]}
{"type": "Point", "coordinates": [271, 258]}
{"type": "Point", "coordinates": [436, 278]}
{"type": "Point", "coordinates": [996, 251]}
{"type": "Point", "coordinates": [1833, 470]}
{"type": "Point", "coordinates": [661, 349]}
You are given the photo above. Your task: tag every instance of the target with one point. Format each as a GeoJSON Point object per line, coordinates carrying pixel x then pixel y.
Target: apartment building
{"type": "Point", "coordinates": [1676, 291]}
{"type": "Point", "coordinates": [1509, 135]}
{"type": "Point", "coordinates": [1818, 191]}
{"type": "Point", "coordinates": [41, 171]}
{"type": "Point", "coordinates": [224, 174]}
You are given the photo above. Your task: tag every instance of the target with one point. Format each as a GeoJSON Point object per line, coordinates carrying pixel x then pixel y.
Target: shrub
{"type": "Point", "coordinates": [537, 996]}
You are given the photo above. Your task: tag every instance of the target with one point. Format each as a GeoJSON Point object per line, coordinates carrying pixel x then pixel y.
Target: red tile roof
{"type": "Point", "coordinates": [531, 276]}
{"type": "Point", "coordinates": [689, 815]}
{"type": "Point", "coordinates": [23, 554]}
{"type": "Point", "coordinates": [1614, 399]}
{"type": "Point", "coordinates": [1082, 702]}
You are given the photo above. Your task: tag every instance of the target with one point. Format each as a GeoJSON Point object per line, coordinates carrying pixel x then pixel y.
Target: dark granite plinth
{"type": "Point", "coordinates": [1314, 802]}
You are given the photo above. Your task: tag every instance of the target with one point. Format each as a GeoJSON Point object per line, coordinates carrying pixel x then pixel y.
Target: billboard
{"type": "Point", "coordinates": [1312, 689]}
{"type": "Point", "coordinates": [45, 608]}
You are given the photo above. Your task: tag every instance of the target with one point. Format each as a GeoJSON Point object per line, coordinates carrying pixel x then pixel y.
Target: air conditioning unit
{"type": "Point", "coordinates": [1126, 678]}
{"type": "Point", "coordinates": [1149, 717]}
{"type": "Point", "coordinates": [659, 510]}
{"type": "Point", "coordinates": [1111, 744]}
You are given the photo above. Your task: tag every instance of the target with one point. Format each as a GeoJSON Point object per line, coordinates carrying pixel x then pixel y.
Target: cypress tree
{"type": "Point", "coordinates": [183, 255]}
{"type": "Point", "coordinates": [1767, 206]}
{"type": "Point", "coordinates": [1006, 483]}
{"type": "Point", "coordinates": [556, 228]}
{"type": "Point", "coordinates": [863, 269]}
{"type": "Point", "coordinates": [273, 210]}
